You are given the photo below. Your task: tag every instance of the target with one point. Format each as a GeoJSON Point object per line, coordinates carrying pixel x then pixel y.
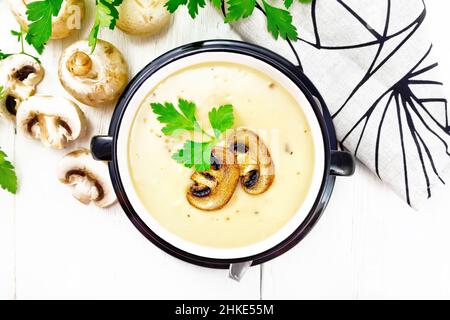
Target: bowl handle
{"type": "Point", "coordinates": [237, 270]}
{"type": "Point", "coordinates": [101, 148]}
{"type": "Point", "coordinates": [342, 163]}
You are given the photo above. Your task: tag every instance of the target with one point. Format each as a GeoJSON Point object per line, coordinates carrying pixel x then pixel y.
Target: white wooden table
{"type": "Point", "coordinates": [368, 244]}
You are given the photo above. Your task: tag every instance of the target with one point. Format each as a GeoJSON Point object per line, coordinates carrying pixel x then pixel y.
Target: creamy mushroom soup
{"type": "Point", "coordinates": [261, 105]}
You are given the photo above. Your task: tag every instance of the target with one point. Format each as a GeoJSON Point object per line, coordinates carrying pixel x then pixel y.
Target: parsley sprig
{"type": "Point", "coordinates": [20, 35]}
{"type": "Point", "coordinates": [40, 14]}
{"type": "Point", "coordinates": [8, 178]}
{"type": "Point", "coordinates": [279, 20]}
{"type": "Point", "coordinates": [193, 154]}
{"type": "Point", "coordinates": [106, 15]}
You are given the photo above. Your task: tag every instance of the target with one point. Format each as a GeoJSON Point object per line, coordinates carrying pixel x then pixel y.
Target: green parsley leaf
{"type": "Point", "coordinates": [193, 6]}
{"type": "Point", "coordinates": [279, 22]}
{"type": "Point", "coordinates": [106, 15]}
{"type": "Point", "coordinates": [17, 34]}
{"type": "Point", "coordinates": [195, 154]}
{"type": "Point", "coordinates": [8, 178]}
{"type": "Point", "coordinates": [4, 55]}
{"type": "Point", "coordinates": [238, 9]}
{"type": "Point", "coordinates": [40, 14]}
{"type": "Point", "coordinates": [217, 3]}
{"type": "Point", "coordinates": [172, 5]}
{"type": "Point", "coordinates": [173, 119]}
{"type": "Point", "coordinates": [288, 3]}
{"type": "Point", "coordinates": [221, 119]}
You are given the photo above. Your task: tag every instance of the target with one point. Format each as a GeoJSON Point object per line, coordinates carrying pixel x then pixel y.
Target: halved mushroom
{"type": "Point", "coordinates": [19, 76]}
{"type": "Point", "coordinates": [97, 78]}
{"type": "Point", "coordinates": [68, 19]}
{"type": "Point", "coordinates": [257, 170]}
{"type": "Point", "coordinates": [90, 178]}
{"type": "Point", "coordinates": [54, 120]}
{"type": "Point", "coordinates": [213, 189]}
{"type": "Point", "coordinates": [143, 17]}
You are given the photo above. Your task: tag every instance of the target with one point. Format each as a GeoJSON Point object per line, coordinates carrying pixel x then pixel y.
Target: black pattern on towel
{"type": "Point", "coordinates": [371, 61]}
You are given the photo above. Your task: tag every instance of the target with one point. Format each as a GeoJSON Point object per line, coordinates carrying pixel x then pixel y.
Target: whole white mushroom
{"type": "Point", "coordinates": [67, 21]}
{"type": "Point", "coordinates": [143, 17]}
{"type": "Point", "coordinates": [96, 78]}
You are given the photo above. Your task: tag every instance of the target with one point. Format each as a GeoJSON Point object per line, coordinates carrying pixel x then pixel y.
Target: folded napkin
{"type": "Point", "coordinates": [371, 61]}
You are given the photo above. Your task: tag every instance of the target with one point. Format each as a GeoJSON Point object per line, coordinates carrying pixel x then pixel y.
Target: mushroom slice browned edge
{"type": "Point", "coordinates": [89, 178]}
{"type": "Point", "coordinates": [257, 170]}
{"type": "Point", "coordinates": [213, 189]}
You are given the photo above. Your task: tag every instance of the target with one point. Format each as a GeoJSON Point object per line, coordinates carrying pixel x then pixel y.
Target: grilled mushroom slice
{"type": "Point", "coordinates": [19, 76]}
{"type": "Point", "coordinates": [97, 78]}
{"type": "Point", "coordinates": [213, 189]}
{"type": "Point", "coordinates": [256, 166]}
{"type": "Point", "coordinates": [90, 178]}
{"type": "Point", "coordinates": [68, 19]}
{"type": "Point", "coordinates": [143, 17]}
{"type": "Point", "coordinates": [54, 120]}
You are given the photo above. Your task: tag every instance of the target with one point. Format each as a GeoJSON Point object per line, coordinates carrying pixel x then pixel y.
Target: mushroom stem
{"type": "Point", "coordinates": [79, 64]}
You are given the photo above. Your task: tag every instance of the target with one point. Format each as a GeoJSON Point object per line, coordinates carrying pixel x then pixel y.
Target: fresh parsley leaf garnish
{"type": "Point", "coordinates": [288, 3]}
{"type": "Point", "coordinates": [8, 178]}
{"type": "Point", "coordinates": [40, 15]}
{"type": "Point", "coordinates": [193, 5]}
{"type": "Point", "coordinates": [172, 5]}
{"type": "Point", "coordinates": [221, 119]}
{"type": "Point", "coordinates": [106, 15]}
{"type": "Point", "coordinates": [4, 55]}
{"type": "Point", "coordinates": [20, 35]}
{"type": "Point", "coordinates": [173, 119]}
{"type": "Point", "coordinates": [238, 9]}
{"type": "Point", "coordinates": [217, 3]}
{"type": "Point", "coordinates": [279, 22]}
{"type": "Point", "coordinates": [17, 34]}
{"type": "Point", "coordinates": [196, 154]}
{"type": "Point", "coordinates": [193, 154]}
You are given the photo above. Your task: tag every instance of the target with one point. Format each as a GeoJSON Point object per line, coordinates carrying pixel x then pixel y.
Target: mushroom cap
{"type": "Point", "coordinates": [213, 189]}
{"type": "Point", "coordinates": [63, 24]}
{"type": "Point", "coordinates": [253, 157]}
{"type": "Point", "coordinates": [143, 17]}
{"type": "Point", "coordinates": [90, 178]}
{"type": "Point", "coordinates": [19, 76]}
{"type": "Point", "coordinates": [55, 121]}
{"type": "Point", "coordinates": [97, 78]}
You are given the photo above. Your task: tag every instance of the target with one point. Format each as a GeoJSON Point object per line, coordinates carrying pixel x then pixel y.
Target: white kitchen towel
{"type": "Point", "coordinates": [371, 61]}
